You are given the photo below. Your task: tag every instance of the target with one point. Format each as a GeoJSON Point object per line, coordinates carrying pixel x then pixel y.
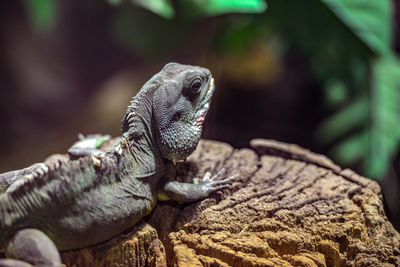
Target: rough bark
{"type": "Point", "coordinates": [133, 248]}
{"type": "Point", "coordinates": [287, 207]}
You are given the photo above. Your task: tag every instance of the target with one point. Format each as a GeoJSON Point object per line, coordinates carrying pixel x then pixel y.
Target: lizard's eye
{"type": "Point", "coordinates": [195, 86]}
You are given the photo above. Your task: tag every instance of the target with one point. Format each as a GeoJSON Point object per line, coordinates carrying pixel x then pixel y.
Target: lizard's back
{"type": "Point", "coordinates": [78, 198]}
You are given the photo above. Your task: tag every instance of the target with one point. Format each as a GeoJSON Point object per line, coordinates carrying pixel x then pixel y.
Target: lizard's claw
{"type": "Point", "coordinates": [207, 177]}
{"type": "Point", "coordinates": [221, 173]}
{"type": "Point", "coordinates": [220, 184]}
{"type": "Point", "coordinates": [212, 183]}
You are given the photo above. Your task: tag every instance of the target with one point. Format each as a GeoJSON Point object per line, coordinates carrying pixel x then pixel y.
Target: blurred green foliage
{"type": "Point", "coordinates": [42, 14]}
{"type": "Point", "coordinates": [374, 113]}
{"type": "Point", "coordinates": [165, 9]}
{"type": "Point", "coordinates": [218, 7]}
{"type": "Point", "coordinates": [369, 20]}
{"type": "Point", "coordinates": [131, 29]}
{"type": "Point", "coordinates": [160, 7]}
{"type": "Point", "coordinates": [347, 46]}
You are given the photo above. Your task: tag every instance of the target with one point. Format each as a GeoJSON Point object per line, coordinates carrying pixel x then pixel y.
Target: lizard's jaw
{"type": "Point", "coordinates": [204, 105]}
{"type": "Point", "coordinates": [180, 139]}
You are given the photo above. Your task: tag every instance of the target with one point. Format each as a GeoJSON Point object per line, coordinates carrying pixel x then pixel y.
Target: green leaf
{"type": "Point", "coordinates": [239, 33]}
{"type": "Point", "coordinates": [162, 8]}
{"type": "Point", "coordinates": [385, 123]}
{"type": "Point", "coordinates": [353, 148]}
{"type": "Point", "coordinates": [114, 2]}
{"type": "Point", "coordinates": [217, 7]}
{"type": "Point", "coordinates": [354, 115]}
{"type": "Point", "coordinates": [146, 34]}
{"type": "Point", "coordinates": [378, 113]}
{"type": "Point", "coordinates": [41, 13]}
{"type": "Point", "coordinates": [370, 20]}
{"type": "Point", "coordinates": [335, 92]}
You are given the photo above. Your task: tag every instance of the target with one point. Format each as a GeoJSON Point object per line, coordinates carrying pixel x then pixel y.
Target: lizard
{"type": "Point", "coordinates": [96, 195]}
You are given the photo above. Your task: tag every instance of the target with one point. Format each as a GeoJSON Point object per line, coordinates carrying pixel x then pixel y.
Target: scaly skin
{"type": "Point", "coordinates": [95, 197]}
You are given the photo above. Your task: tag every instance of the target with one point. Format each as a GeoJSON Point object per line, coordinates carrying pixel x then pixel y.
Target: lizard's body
{"type": "Point", "coordinates": [78, 199]}
{"type": "Point", "coordinates": [96, 196]}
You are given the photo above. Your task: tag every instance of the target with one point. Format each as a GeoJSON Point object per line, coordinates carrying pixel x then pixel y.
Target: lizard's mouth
{"type": "Point", "coordinates": [204, 104]}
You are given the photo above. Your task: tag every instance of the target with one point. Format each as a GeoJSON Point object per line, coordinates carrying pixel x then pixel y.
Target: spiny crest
{"type": "Point", "coordinates": [136, 114]}
{"type": "Point", "coordinates": [70, 173]}
{"type": "Point", "coordinates": [60, 185]}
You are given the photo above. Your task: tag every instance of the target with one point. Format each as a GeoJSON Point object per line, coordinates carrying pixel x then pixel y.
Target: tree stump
{"type": "Point", "coordinates": [126, 250]}
{"type": "Point", "coordinates": [288, 207]}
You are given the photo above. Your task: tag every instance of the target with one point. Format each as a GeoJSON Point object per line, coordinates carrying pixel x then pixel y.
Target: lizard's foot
{"type": "Point", "coordinates": [213, 186]}
{"type": "Point", "coordinates": [31, 247]}
{"type": "Point", "coordinates": [207, 177]}
{"type": "Point", "coordinates": [213, 183]}
{"type": "Point", "coordinates": [200, 189]}
{"type": "Point", "coordinates": [88, 145]}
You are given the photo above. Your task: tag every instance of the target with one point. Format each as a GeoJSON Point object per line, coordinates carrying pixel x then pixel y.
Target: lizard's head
{"type": "Point", "coordinates": [180, 104]}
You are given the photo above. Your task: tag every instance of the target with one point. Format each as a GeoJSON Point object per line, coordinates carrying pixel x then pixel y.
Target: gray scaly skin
{"type": "Point", "coordinates": [98, 195]}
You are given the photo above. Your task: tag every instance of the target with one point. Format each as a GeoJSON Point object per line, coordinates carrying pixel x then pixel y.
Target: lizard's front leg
{"type": "Point", "coordinates": [31, 247]}
{"type": "Point", "coordinates": [186, 192]}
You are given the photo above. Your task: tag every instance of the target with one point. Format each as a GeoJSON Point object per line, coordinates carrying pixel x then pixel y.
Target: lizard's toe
{"type": "Point", "coordinates": [207, 177]}
{"type": "Point", "coordinates": [228, 180]}
{"type": "Point", "coordinates": [214, 186]}
{"type": "Point", "coordinates": [219, 174]}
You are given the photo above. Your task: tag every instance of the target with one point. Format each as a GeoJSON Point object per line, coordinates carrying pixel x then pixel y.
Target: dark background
{"type": "Point", "coordinates": [298, 72]}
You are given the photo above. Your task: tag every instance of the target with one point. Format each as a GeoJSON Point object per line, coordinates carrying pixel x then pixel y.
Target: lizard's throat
{"type": "Point", "coordinates": [179, 140]}
{"type": "Point", "coordinates": [177, 143]}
